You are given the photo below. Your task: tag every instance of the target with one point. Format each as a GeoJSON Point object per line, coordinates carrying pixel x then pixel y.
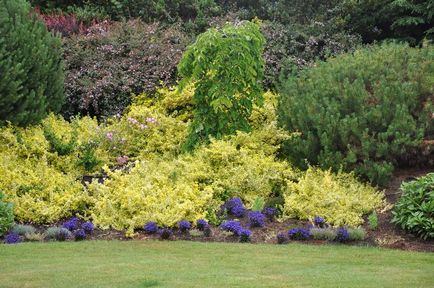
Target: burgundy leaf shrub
{"type": "Point", "coordinates": [111, 62]}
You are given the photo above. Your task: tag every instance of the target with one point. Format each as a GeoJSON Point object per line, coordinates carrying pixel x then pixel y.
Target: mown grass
{"type": "Point", "coordinates": [194, 264]}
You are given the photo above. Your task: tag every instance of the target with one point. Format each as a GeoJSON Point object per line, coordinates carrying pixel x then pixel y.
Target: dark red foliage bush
{"type": "Point", "coordinates": [109, 63]}
{"type": "Point", "coordinates": [65, 24]}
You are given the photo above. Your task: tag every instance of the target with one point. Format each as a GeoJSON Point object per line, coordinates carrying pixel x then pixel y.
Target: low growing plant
{"type": "Point", "coordinates": [184, 225]}
{"type": "Point", "coordinates": [356, 234]}
{"type": "Point", "coordinates": [414, 210]}
{"type": "Point", "coordinates": [342, 235]}
{"type": "Point", "coordinates": [256, 219]}
{"type": "Point", "coordinates": [232, 226]}
{"type": "Point", "coordinates": [23, 229]}
{"type": "Point", "coordinates": [34, 237]}
{"type": "Point", "coordinates": [151, 228]}
{"type": "Point", "coordinates": [298, 234]}
{"type": "Point", "coordinates": [6, 215]}
{"type": "Point", "coordinates": [328, 234]}
{"type": "Point", "coordinates": [373, 220]}
{"type": "Point", "coordinates": [245, 235]}
{"type": "Point", "coordinates": [58, 233]}
{"type": "Point", "coordinates": [12, 238]}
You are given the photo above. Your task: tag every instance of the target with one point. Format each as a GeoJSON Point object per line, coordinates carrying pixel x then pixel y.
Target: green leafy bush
{"type": "Point", "coordinates": [6, 215]}
{"type": "Point", "coordinates": [368, 111]}
{"type": "Point", "coordinates": [373, 221]}
{"type": "Point", "coordinates": [225, 66]}
{"type": "Point", "coordinates": [415, 209]}
{"type": "Point", "coordinates": [31, 79]}
{"type": "Point", "coordinates": [409, 20]}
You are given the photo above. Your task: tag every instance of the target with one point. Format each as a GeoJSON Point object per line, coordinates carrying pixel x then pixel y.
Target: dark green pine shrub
{"type": "Point", "coordinates": [366, 111]}
{"type": "Point", "coordinates": [415, 209]}
{"type": "Point", "coordinates": [31, 70]}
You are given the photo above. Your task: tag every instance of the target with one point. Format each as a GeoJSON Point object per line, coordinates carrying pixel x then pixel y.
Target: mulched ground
{"type": "Point", "coordinates": [386, 235]}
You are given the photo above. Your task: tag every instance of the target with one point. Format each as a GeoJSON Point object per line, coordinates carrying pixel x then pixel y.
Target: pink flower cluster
{"type": "Point", "coordinates": [149, 120]}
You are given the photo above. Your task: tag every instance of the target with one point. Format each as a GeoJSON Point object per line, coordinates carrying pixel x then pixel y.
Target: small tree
{"type": "Point", "coordinates": [226, 66]}
{"type": "Point", "coordinates": [31, 71]}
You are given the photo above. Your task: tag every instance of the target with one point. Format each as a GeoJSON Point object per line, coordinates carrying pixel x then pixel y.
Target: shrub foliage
{"type": "Point", "coordinates": [340, 198]}
{"type": "Point", "coordinates": [414, 210]}
{"type": "Point", "coordinates": [226, 67]}
{"type": "Point", "coordinates": [31, 79]}
{"type": "Point", "coordinates": [366, 111]}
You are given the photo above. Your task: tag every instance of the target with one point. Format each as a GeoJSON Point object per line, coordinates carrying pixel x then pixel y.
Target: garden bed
{"type": "Point", "coordinates": [386, 235]}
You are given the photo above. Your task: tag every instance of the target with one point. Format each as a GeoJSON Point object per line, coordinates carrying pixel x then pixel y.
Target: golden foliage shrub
{"type": "Point", "coordinates": [339, 198]}
{"type": "Point", "coordinates": [154, 190]}
{"type": "Point", "coordinates": [40, 193]}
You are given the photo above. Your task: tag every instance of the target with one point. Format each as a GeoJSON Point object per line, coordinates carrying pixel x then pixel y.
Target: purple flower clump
{"type": "Point", "coordinates": [235, 207]}
{"type": "Point", "coordinates": [12, 238]}
{"type": "Point", "coordinates": [245, 235]}
{"type": "Point", "coordinates": [342, 235]}
{"type": "Point", "coordinates": [71, 224]}
{"type": "Point", "coordinates": [201, 224]}
{"type": "Point", "coordinates": [270, 212]}
{"type": "Point", "coordinates": [79, 235]}
{"type": "Point", "coordinates": [232, 226]}
{"type": "Point", "coordinates": [184, 225]}
{"type": "Point", "coordinates": [281, 238]}
{"type": "Point", "coordinates": [88, 227]}
{"type": "Point", "coordinates": [165, 233]}
{"type": "Point", "coordinates": [319, 221]}
{"type": "Point", "coordinates": [298, 233]}
{"type": "Point", "coordinates": [257, 219]}
{"type": "Point", "coordinates": [151, 228]}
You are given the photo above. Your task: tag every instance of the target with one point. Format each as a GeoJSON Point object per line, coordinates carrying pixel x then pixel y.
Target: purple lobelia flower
{"type": "Point", "coordinates": [319, 221]}
{"type": "Point", "coordinates": [245, 235]}
{"type": "Point", "coordinates": [12, 238]}
{"type": "Point", "coordinates": [184, 225]}
{"type": "Point", "coordinates": [342, 234]}
{"type": "Point", "coordinates": [151, 228]}
{"type": "Point", "coordinates": [298, 234]}
{"type": "Point", "coordinates": [201, 224]}
{"type": "Point", "coordinates": [232, 226]}
{"type": "Point", "coordinates": [71, 224]}
{"type": "Point", "coordinates": [235, 207]}
{"type": "Point", "coordinates": [88, 227]}
{"type": "Point", "coordinates": [256, 219]}
{"type": "Point", "coordinates": [79, 235]}
{"type": "Point", "coordinates": [270, 212]}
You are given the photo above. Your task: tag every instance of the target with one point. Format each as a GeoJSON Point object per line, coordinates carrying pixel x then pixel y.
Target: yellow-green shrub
{"type": "Point", "coordinates": [339, 198]}
{"type": "Point", "coordinates": [40, 193]}
{"type": "Point", "coordinates": [155, 190]}
{"type": "Point", "coordinates": [237, 170]}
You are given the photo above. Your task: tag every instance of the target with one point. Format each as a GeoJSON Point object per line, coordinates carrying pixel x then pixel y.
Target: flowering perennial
{"type": "Point", "coordinates": [298, 234]}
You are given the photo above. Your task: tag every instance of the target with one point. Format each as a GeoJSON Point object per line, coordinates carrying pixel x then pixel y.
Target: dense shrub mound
{"type": "Point", "coordinates": [31, 78]}
{"type": "Point", "coordinates": [111, 62]}
{"type": "Point", "coordinates": [366, 111]}
{"type": "Point", "coordinates": [415, 209]}
{"type": "Point", "coordinates": [339, 197]}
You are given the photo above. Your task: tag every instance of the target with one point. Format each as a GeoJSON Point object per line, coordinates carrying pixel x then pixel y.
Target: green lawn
{"type": "Point", "coordinates": [195, 264]}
